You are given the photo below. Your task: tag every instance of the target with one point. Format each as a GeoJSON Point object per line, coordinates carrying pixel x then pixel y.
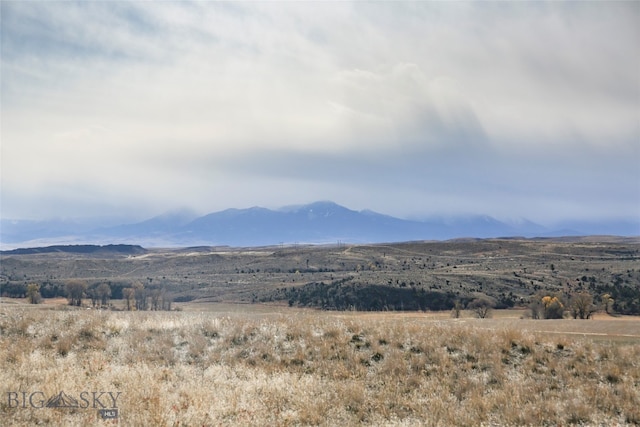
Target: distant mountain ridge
{"type": "Point", "coordinates": [319, 222]}
{"type": "Point", "coordinates": [79, 249]}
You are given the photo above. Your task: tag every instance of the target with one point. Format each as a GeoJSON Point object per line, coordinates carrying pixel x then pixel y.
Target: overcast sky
{"type": "Point", "coordinates": [514, 110]}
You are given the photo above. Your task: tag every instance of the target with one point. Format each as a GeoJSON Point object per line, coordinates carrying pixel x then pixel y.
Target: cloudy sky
{"type": "Point", "coordinates": [515, 110]}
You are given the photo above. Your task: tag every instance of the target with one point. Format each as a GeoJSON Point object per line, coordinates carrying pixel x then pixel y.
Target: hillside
{"type": "Point", "coordinates": [402, 276]}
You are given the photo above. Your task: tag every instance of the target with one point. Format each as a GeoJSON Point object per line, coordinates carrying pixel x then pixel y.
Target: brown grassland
{"type": "Point", "coordinates": [263, 365]}
{"type": "Point", "coordinates": [242, 344]}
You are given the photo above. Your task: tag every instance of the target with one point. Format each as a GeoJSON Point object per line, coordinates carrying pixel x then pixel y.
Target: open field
{"type": "Point", "coordinates": [250, 364]}
{"type": "Point", "coordinates": [601, 327]}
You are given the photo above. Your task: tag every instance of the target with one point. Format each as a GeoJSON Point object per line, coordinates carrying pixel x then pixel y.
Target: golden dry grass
{"type": "Point", "coordinates": [311, 368]}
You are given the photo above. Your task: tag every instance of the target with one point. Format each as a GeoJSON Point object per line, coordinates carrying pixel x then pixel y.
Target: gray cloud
{"type": "Point", "coordinates": [525, 109]}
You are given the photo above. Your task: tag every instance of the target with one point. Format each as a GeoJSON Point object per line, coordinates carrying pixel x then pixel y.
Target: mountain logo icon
{"type": "Point", "coordinates": [61, 400]}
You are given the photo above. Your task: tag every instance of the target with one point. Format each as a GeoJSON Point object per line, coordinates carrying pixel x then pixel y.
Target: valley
{"type": "Point", "coordinates": [401, 276]}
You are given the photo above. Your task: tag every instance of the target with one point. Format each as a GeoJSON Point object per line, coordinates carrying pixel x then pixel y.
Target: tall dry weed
{"type": "Point", "coordinates": [312, 369]}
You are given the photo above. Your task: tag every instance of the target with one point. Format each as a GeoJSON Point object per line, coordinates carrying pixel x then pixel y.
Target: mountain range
{"type": "Point", "coordinates": [318, 223]}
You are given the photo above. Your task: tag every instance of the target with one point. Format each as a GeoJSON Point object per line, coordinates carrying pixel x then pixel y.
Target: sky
{"type": "Point", "coordinates": [412, 109]}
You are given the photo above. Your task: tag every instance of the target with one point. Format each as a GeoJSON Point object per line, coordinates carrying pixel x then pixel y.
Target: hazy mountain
{"type": "Point", "coordinates": [614, 228]}
{"type": "Point", "coordinates": [320, 222]}
{"type": "Point", "coordinates": [161, 225]}
{"type": "Point", "coordinates": [20, 230]}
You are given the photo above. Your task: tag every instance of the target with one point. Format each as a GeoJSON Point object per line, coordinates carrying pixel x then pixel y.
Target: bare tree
{"type": "Point", "coordinates": [141, 295]}
{"type": "Point", "coordinates": [166, 300]}
{"type": "Point", "coordinates": [155, 299]}
{"type": "Point", "coordinates": [455, 311]}
{"type": "Point", "coordinates": [482, 307]}
{"type": "Point", "coordinates": [537, 308]}
{"type": "Point", "coordinates": [93, 294]}
{"type": "Point", "coordinates": [103, 291]}
{"type": "Point", "coordinates": [75, 291]}
{"type": "Point", "coordinates": [581, 305]}
{"type": "Point", "coordinates": [33, 293]}
{"type": "Point", "coordinates": [128, 294]}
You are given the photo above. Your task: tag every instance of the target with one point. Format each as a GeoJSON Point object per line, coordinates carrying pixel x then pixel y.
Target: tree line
{"type": "Point", "coordinates": [578, 305]}
{"type": "Point", "coordinates": [78, 292]}
{"type": "Point", "coordinates": [343, 295]}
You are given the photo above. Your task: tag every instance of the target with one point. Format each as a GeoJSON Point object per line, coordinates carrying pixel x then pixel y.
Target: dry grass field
{"type": "Point", "coordinates": [245, 345]}
{"type": "Point", "coordinates": [225, 364]}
